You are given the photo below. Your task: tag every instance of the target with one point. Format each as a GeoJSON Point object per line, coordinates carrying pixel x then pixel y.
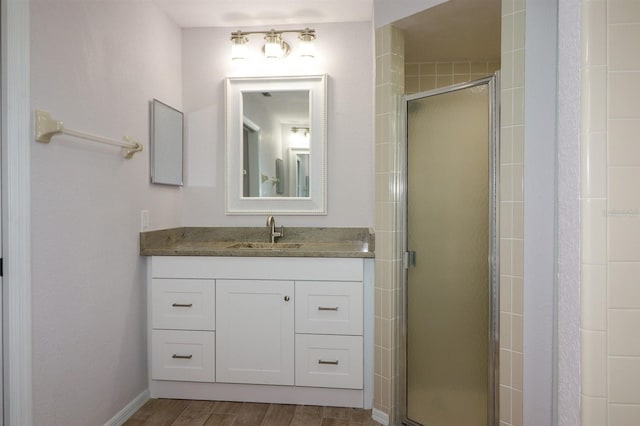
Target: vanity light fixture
{"type": "Point", "coordinates": [275, 47]}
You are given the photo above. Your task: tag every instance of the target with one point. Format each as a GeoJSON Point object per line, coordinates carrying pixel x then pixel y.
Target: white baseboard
{"type": "Point", "coordinates": [128, 411]}
{"type": "Point", "coordinates": [380, 417]}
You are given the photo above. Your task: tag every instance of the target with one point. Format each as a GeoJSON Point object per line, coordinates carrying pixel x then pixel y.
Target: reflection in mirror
{"type": "Point", "coordinates": [273, 123]}
{"type": "Point", "coordinates": [276, 145]}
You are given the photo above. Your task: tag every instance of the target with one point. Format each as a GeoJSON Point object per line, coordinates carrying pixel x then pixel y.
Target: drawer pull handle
{"type": "Point", "coordinates": [321, 361]}
{"type": "Point", "coordinates": [176, 356]}
{"type": "Point", "coordinates": [182, 305]}
{"type": "Point", "coordinates": [326, 308]}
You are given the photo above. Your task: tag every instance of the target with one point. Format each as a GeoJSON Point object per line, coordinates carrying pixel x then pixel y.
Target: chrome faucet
{"type": "Point", "coordinates": [271, 224]}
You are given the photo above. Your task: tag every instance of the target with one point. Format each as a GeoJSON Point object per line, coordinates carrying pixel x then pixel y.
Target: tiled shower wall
{"type": "Point", "coordinates": [390, 80]}
{"type": "Point", "coordinates": [423, 76]}
{"type": "Point", "coordinates": [511, 212]}
{"type": "Point", "coordinates": [610, 212]}
{"type": "Point", "coordinates": [389, 91]}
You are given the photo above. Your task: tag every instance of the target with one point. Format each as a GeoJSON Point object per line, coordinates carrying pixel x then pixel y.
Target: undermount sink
{"type": "Point", "coordinates": [265, 246]}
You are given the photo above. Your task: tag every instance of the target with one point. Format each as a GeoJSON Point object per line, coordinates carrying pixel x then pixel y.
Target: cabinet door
{"type": "Point", "coordinates": [255, 332]}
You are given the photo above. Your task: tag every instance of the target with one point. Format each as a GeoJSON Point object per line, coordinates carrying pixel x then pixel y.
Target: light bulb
{"type": "Point", "coordinates": [273, 48]}
{"type": "Point", "coordinates": [239, 46]}
{"type": "Point", "coordinates": [307, 48]}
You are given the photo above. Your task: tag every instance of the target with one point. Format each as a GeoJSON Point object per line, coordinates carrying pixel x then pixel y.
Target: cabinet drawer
{"type": "Point", "coordinates": [183, 355]}
{"type": "Point", "coordinates": [183, 304]}
{"type": "Point", "coordinates": [329, 307]}
{"type": "Point", "coordinates": [329, 361]}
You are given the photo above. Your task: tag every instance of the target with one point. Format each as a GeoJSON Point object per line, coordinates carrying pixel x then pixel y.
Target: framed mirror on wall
{"type": "Point", "coordinates": [167, 130]}
{"type": "Point", "coordinates": [276, 145]}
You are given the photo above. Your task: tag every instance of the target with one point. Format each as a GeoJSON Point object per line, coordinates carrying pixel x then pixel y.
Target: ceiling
{"type": "Point", "coordinates": [456, 30]}
{"type": "Point", "coordinates": [246, 13]}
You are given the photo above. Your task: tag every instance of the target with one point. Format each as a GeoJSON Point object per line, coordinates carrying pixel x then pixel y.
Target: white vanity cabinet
{"type": "Point", "coordinates": [255, 332]}
{"type": "Point", "coordinates": [295, 330]}
{"type": "Point", "coordinates": [182, 329]}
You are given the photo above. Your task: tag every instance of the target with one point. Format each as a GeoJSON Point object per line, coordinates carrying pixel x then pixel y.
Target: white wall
{"type": "Point", "coordinates": [345, 54]}
{"type": "Point", "coordinates": [96, 66]}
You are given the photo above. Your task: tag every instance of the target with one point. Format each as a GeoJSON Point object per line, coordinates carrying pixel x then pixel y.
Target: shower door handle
{"type": "Point", "coordinates": [409, 259]}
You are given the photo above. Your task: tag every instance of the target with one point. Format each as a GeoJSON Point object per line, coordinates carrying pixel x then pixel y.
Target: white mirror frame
{"type": "Point", "coordinates": [316, 203]}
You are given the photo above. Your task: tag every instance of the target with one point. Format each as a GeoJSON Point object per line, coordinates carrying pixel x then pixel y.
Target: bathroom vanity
{"type": "Point", "coordinates": [233, 317]}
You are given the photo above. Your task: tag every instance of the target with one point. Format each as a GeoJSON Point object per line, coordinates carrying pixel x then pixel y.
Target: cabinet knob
{"type": "Point", "coordinates": [286, 298]}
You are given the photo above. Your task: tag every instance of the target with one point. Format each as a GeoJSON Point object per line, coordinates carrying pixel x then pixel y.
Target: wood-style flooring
{"type": "Point", "coordinates": [181, 412]}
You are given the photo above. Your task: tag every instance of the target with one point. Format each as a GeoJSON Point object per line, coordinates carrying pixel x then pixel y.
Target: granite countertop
{"type": "Point", "coordinates": [255, 242]}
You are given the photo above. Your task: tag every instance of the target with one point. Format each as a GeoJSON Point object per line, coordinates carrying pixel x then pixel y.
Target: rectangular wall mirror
{"type": "Point", "coordinates": [166, 144]}
{"type": "Point", "coordinates": [276, 145]}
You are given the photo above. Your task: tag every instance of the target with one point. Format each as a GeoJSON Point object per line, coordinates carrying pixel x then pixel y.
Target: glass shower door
{"type": "Point", "coordinates": [450, 230]}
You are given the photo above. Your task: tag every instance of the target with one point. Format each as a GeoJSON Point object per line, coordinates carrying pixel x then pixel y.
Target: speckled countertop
{"type": "Point", "coordinates": [251, 242]}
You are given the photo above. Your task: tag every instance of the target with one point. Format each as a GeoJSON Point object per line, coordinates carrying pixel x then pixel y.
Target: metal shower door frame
{"type": "Point", "coordinates": [493, 84]}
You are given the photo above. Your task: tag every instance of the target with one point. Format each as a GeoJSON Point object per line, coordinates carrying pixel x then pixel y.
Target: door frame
{"type": "Point", "coordinates": [493, 83]}
{"type": "Point", "coordinates": [16, 213]}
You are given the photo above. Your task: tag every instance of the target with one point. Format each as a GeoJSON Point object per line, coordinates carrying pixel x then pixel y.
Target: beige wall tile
{"type": "Point", "coordinates": [505, 293]}
{"type": "Point", "coordinates": [594, 411]}
{"type": "Point", "coordinates": [624, 144]}
{"type": "Point", "coordinates": [594, 47]}
{"type": "Point", "coordinates": [624, 380]}
{"type": "Point", "coordinates": [593, 363]}
{"type": "Point", "coordinates": [507, 7]}
{"type": "Point", "coordinates": [624, 238]}
{"type": "Point", "coordinates": [444, 80]}
{"type": "Point", "coordinates": [594, 165]}
{"type": "Point", "coordinates": [594, 297]}
{"type": "Point", "coordinates": [624, 195]}
{"type": "Point", "coordinates": [517, 371]}
{"type": "Point", "coordinates": [505, 330]}
{"type": "Point", "coordinates": [506, 219]}
{"type": "Point", "coordinates": [505, 404]}
{"type": "Point", "coordinates": [506, 108]}
{"type": "Point", "coordinates": [428, 68]}
{"type": "Point", "coordinates": [411, 69]}
{"type": "Point", "coordinates": [493, 66]}
{"type": "Point", "coordinates": [623, 11]}
{"type": "Point", "coordinates": [621, 415]}
{"type": "Point", "coordinates": [461, 67]}
{"type": "Point", "coordinates": [594, 231]}
{"type": "Point", "coordinates": [518, 144]}
{"type": "Point", "coordinates": [427, 83]}
{"type": "Point", "coordinates": [624, 95]}
{"type": "Point", "coordinates": [505, 367]}
{"type": "Point", "coordinates": [518, 29]}
{"type": "Point", "coordinates": [412, 84]}
{"type": "Point", "coordinates": [516, 408]}
{"type": "Point", "coordinates": [594, 94]}
{"type": "Point", "coordinates": [518, 68]}
{"type": "Point", "coordinates": [478, 68]}
{"type": "Point", "coordinates": [518, 219]}
{"type": "Point", "coordinates": [506, 77]}
{"type": "Point", "coordinates": [444, 68]}
{"type": "Point", "coordinates": [517, 333]}
{"type": "Point", "coordinates": [622, 39]}
{"type": "Point", "coordinates": [624, 286]}
{"type": "Point", "coordinates": [506, 42]}
{"type": "Point", "coordinates": [517, 295]}
{"type": "Point", "coordinates": [624, 326]}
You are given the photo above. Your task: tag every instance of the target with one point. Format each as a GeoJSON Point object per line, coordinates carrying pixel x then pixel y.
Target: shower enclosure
{"type": "Point", "coordinates": [450, 333]}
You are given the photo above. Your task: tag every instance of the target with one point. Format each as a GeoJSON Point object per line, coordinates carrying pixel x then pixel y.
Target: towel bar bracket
{"type": "Point", "coordinates": [46, 127]}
